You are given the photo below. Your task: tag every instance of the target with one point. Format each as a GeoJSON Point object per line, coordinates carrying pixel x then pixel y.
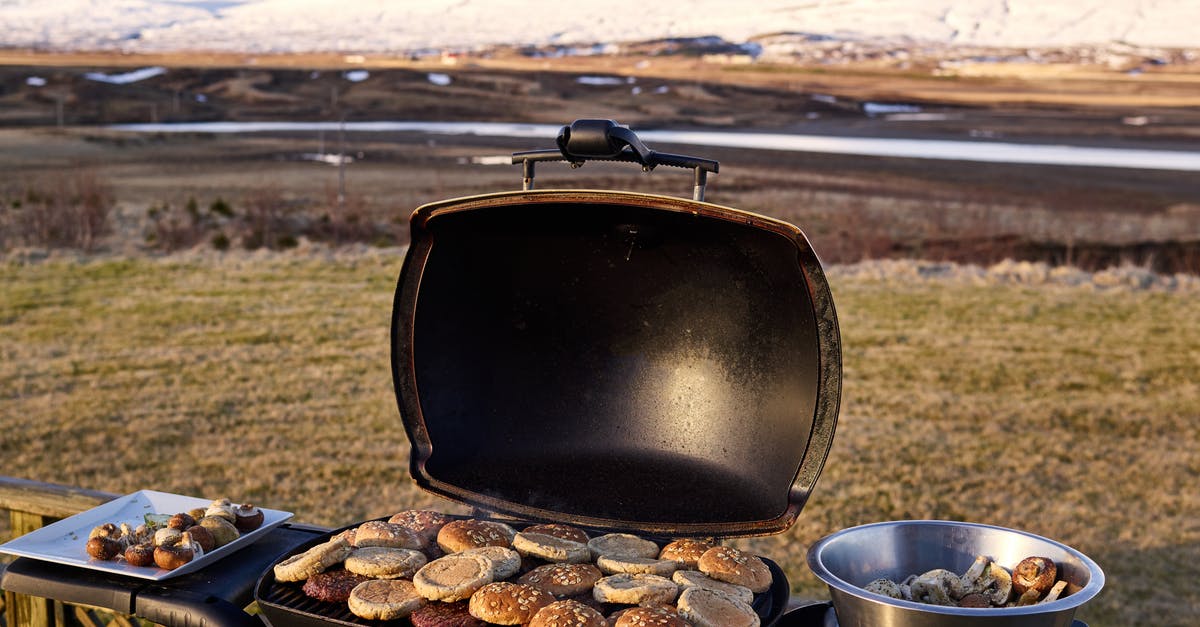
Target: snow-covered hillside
{"type": "Point", "coordinates": [414, 25]}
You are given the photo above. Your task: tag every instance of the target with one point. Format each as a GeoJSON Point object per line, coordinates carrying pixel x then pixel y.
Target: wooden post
{"type": "Point", "coordinates": [33, 505]}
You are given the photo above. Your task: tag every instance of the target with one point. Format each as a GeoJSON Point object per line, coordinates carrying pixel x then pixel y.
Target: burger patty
{"type": "Point", "coordinates": [333, 585]}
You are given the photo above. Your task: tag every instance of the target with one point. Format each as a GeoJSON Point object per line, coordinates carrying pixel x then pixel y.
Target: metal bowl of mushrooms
{"type": "Point", "coordinates": [930, 573]}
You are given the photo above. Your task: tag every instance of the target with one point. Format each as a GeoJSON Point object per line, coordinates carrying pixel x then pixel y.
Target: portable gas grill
{"type": "Point", "coordinates": [611, 360]}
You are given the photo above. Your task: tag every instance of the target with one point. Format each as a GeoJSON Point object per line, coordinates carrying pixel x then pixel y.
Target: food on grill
{"type": "Point", "coordinates": [333, 586]}
{"type": "Point", "coordinates": [647, 617]}
{"type": "Point", "coordinates": [566, 532]}
{"type": "Point", "coordinates": [223, 531]}
{"type": "Point", "coordinates": [1034, 573]}
{"type": "Point", "coordinates": [551, 548]}
{"type": "Point", "coordinates": [382, 562]}
{"type": "Point", "coordinates": [737, 567]}
{"type": "Point", "coordinates": [563, 580]}
{"type": "Point", "coordinates": [494, 584]}
{"type": "Point", "coordinates": [505, 562]}
{"type": "Point", "coordinates": [444, 615]}
{"type": "Point", "coordinates": [176, 553]}
{"type": "Point", "coordinates": [103, 547]}
{"type": "Point", "coordinates": [696, 579]}
{"type": "Point", "coordinates": [568, 613]}
{"type": "Point", "coordinates": [247, 517]}
{"type": "Point", "coordinates": [984, 584]}
{"type": "Point", "coordinates": [423, 523]}
{"type": "Point", "coordinates": [384, 599]}
{"type": "Point", "coordinates": [686, 552]}
{"type": "Point", "coordinates": [454, 577]}
{"type": "Point", "coordinates": [636, 590]}
{"type": "Point", "coordinates": [141, 554]}
{"type": "Point", "coordinates": [622, 544]}
{"type": "Point", "coordinates": [316, 559]}
{"type": "Point", "coordinates": [709, 608]}
{"type": "Point", "coordinates": [379, 533]}
{"type": "Point", "coordinates": [613, 564]}
{"type": "Point", "coordinates": [203, 537]}
{"type": "Point", "coordinates": [472, 533]}
{"type": "Point", "coordinates": [508, 603]}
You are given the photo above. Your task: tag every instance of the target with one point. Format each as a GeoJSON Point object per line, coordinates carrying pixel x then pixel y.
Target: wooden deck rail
{"type": "Point", "coordinates": [31, 505]}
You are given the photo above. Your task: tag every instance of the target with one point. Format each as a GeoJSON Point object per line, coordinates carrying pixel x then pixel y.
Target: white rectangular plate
{"type": "Point", "coordinates": [65, 541]}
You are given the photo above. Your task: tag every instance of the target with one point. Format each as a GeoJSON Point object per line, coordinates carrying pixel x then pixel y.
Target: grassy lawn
{"type": "Point", "coordinates": [1068, 412]}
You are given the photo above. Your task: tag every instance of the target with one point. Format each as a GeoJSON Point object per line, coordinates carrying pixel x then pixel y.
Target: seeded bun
{"type": "Point", "coordinates": [709, 608]}
{"type": "Point", "coordinates": [453, 577]}
{"type": "Point", "coordinates": [384, 599]}
{"type": "Point", "coordinates": [566, 532]}
{"type": "Point", "coordinates": [563, 580]}
{"type": "Point", "coordinates": [696, 579]}
{"type": "Point", "coordinates": [379, 533]}
{"type": "Point", "coordinates": [647, 617]}
{"type": "Point", "coordinates": [507, 603]}
{"type": "Point", "coordinates": [629, 589]}
{"type": "Point", "coordinates": [737, 567]}
{"type": "Point", "coordinates": [423, 523]}
{"type": "Point", "coordinates": [623, 545]}
{"type": "Point", "coordinates": [686, 552]}
{"type": "Point", "coordinates": [460, 535]}
{"type": "Point", "coordinates": [551, 548]}
{"type": "Point", "coordinates": [568, 614]}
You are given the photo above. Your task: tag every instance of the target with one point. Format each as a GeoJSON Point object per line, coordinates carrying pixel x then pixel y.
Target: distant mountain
{"type": "Point", "coordinates": [417, 25]}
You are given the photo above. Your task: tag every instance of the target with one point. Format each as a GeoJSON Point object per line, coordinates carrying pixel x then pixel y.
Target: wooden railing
{"type": "Point", "coordinates": [31, 505]}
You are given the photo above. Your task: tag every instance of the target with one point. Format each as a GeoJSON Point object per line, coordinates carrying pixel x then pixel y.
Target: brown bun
{"type": "Point", "coordinates": [686, 552]}
{"type": "Point", "coordinates": [423, 523]}
{"type": "Point", "coordinates": [647, 616]}
{"type": "Point", "coordinates": [379, 533]}
{"type": "Point", "coordinates": [568, 614]}
{"type": "Point", "coordinates": [565, 532]}
{"type": "Point", "coordinates": [507, 603]}
{"type": "Point", "coordinates": [460, 535]}
{"type": "Point", "coordinates": [737, 567]}
{"type": "Point", "coordinates": [384, 599]}
{"type": "Point", "coordinates": [563, 580]}
{"type": "Point", "coordinates": [709, 608]}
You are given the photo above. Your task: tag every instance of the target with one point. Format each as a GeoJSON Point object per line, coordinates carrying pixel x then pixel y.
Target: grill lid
{"type": "Point", "coordinates": [616, 360]}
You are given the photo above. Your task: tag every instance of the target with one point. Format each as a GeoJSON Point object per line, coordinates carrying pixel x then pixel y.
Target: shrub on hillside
{"type": "Point", "coordinates": [72, 212]}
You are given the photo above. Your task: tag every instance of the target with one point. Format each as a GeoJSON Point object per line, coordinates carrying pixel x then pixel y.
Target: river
{"type": "Point", "coordinates": [980, 150]}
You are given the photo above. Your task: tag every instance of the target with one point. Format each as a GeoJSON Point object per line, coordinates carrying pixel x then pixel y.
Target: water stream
{"type": "Point", "coordinates": [985, 151]}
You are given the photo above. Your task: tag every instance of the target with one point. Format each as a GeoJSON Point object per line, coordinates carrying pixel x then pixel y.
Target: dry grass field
{"type": "Point", "coordinates": [1066, 411]}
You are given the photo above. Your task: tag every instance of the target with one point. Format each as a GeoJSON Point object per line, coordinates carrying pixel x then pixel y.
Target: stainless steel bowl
{"type": "Point", "coordinates": [852, 558]}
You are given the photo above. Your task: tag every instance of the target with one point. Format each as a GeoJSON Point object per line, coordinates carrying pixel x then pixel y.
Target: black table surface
{"type": "Point", "coordinates": [215, 595]}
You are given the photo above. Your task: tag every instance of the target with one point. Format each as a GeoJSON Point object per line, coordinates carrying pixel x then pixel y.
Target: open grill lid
{"type": "Point", "coordinates": [615, 360]}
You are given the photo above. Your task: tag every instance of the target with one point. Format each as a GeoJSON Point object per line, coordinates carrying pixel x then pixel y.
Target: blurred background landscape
{"type": "Point", "coordinates": [205, 205]}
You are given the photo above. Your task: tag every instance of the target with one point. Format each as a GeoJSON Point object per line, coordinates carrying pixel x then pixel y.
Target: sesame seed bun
{"type": "Point", "coordinates": [507, 603]}
{"type": "Point", "coordinates": [568, 614]}
{"type": "Point", "coordinates": [460, 535]}
{"type": "Point", "coordinates": [737, 567]}
{"type": "Point", "coordinates": [563, 580]}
